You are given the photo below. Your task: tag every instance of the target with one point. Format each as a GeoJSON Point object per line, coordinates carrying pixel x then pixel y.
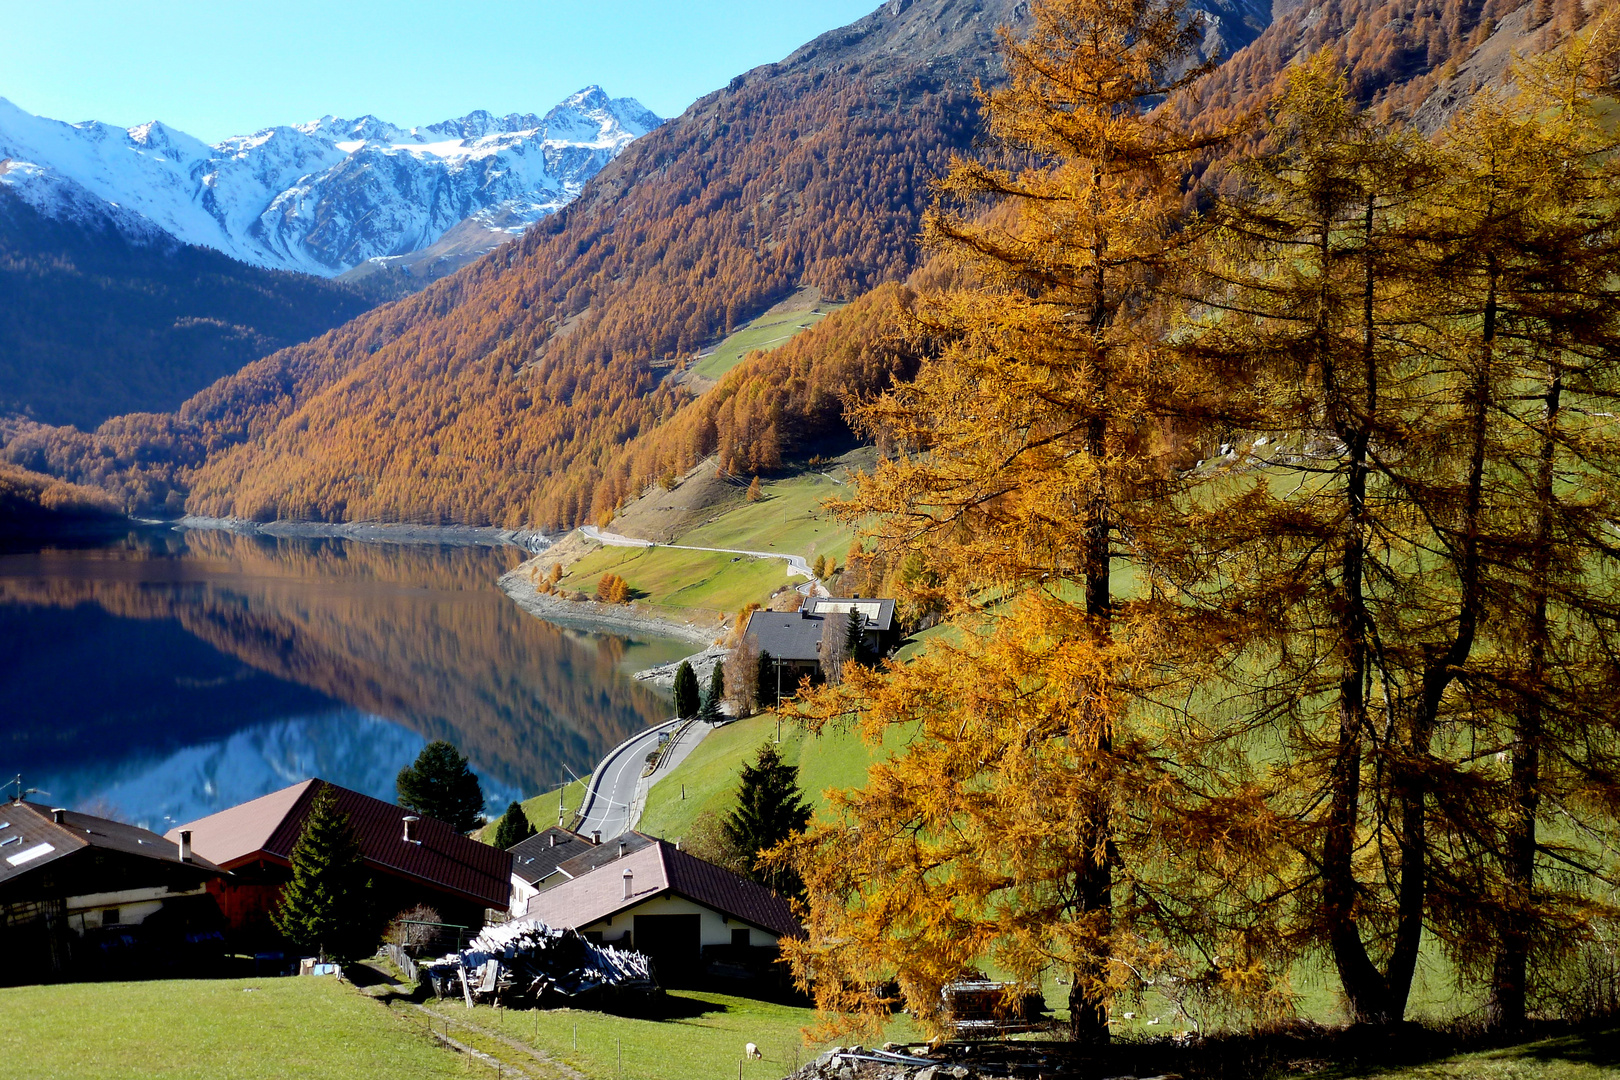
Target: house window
{"type": "Point", "coordinates": [739, 938]}
{"type": "Point", "coordinates": [109, 917]}
{"type": "Point", "coordinates": [594, 937]}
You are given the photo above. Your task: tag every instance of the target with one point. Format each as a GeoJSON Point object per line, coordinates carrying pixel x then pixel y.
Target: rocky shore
{"type": "Point", "coordinates": [590, 615]}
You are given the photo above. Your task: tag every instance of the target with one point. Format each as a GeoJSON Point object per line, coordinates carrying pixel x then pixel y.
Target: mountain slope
{"type": "Point", "coordinates": [326, 196]}
{"type": "Point", "coordinates": [501, 394]}
{"type": "Point", "coordinates": [102, 314]}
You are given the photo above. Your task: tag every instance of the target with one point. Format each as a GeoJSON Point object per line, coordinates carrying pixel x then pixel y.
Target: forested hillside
{"type": "Point", "coordinates": [512, 392]}
{"type": "Point", "coordinates": [472, 401]}
{"type": "Point", "coordinates": [94, 324]}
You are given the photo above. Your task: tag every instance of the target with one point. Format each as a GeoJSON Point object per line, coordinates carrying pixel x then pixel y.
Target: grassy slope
{"type": "Point", "coordinates": [765, 333]}
{"type": "Point", "coordinates": [837, 759]}
{"type": "Point", "coordinates": [705, 1042]}
{"type": "Point", "coordinates": [542, 809]}
{"type": "Point", "coordinates": [788, 519]}
{"type": "Point", "coordinates": [309, 1028]}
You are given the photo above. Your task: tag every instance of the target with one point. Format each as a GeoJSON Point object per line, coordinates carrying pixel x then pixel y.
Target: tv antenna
{"type": "Point", "coordinates": [21, 791]}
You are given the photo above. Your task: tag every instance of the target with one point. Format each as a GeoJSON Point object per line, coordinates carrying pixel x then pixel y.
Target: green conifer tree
{"type": "Point", "coordinates": [441, 785]}
{"type": "Point", "coordinates": [717, 686]}
{"type": "Point", "coordinates": [328, 908]}
{"type": "Point", "coordinates": [686, 691]}
{"type": "Point", "coordinates": [513, 828]}
{"type": "Point", "coordinates": [767, 680]}
{"type": "Point", "coordinates": [770, 809]}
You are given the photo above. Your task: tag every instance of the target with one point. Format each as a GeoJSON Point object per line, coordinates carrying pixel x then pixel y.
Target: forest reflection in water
{"type": "Point", "coordinates": [169, 673]}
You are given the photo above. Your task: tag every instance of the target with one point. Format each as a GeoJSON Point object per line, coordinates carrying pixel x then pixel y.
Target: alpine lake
{"type": "Point", "coordinates": [160, 676]}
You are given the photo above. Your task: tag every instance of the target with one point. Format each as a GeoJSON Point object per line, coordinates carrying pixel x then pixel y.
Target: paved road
{"type": "Point", "coordinates": [613, 784]}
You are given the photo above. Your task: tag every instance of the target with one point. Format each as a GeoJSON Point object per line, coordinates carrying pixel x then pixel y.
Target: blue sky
{"type": "Point", "coordinates": [230, 67]}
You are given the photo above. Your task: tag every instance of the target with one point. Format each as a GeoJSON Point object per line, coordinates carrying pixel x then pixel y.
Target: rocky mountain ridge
{"type": "Point", "coordinates": [325, 196]}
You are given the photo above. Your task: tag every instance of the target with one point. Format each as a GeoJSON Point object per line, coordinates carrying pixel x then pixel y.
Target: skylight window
{"type": "Point", "coordinates": [30, 854]}
{"type": "Point", "coordinates": [12, 840]}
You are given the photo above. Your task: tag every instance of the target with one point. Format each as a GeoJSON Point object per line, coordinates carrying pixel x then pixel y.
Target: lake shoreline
{"type": "Point", "coordinates": [369, 532]}
{"type": "Point", "coordinates": [591, 615]}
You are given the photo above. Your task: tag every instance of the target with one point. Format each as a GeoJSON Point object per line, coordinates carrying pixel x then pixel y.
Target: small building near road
{"type": "Point", "coordinates": [697, 921]}
{"type": "Point", "coordinates": [536, 859]}
{"type": "Point", "coordinates": [84, 895]}
{"type": "Point", "coordinates": [413, 860]}
{"type": "Point", "coordinates": [877, 618]}
{"type": "Point", "coordinates": [793, 638]}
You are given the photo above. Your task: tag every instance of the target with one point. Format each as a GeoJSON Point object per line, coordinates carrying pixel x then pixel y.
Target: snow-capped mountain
{"type": "Point", "coordinates": [325, 196]}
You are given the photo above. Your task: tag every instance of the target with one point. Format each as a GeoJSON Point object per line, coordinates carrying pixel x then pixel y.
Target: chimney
{"type": "Point", "coordinates": [57, 815]}
{"type": "Point", "coordinates": [622, 846]}
{"type": "Point", "coordinates": [553, 838]}
{"type": "Point", "coordinates": [629, 883]}
{"type": "Point", "coordinates": [410, 829]}
{"type": "Point", "coordinates": [596, 836]}
{"type": "Point", "coordinates": [185, 845]}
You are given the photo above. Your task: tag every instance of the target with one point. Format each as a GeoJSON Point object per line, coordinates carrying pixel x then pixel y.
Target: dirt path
{"type": "Point", "coordinates": [550, 1066]}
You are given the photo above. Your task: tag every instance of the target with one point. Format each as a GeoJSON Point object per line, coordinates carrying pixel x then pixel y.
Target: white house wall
{"type": "Point", "coordinates": [715, 928]}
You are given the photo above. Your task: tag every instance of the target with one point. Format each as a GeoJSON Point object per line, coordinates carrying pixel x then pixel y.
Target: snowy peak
{"type": "Point", "coordinates": [577, 115]}
{"type": "Point", "coordinates": [322, 197]}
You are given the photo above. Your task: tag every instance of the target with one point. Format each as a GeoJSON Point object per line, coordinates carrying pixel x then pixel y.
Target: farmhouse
{"type": "Point", "coordinates": [413, 860]}
{"type": "Point", "coordinates": [877, 617]}
{"type": "Point", "coordinates": [793, 638]}
{"type": "Point", "coordinates": [695, 919]}
{"type": "Point", "coordinates": [84, 895]}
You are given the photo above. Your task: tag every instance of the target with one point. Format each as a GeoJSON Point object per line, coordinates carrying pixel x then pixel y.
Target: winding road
{"type": "Point", "coordinates": [613, 784]}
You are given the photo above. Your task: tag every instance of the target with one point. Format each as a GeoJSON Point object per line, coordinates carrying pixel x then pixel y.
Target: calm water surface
{"type": "Point", "coordinates": [167, 675]}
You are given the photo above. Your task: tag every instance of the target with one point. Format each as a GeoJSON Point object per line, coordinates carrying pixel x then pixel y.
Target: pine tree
{"type": "Point", "coordinates": [854, 635]}
{"type": "Point", "coordinates": [686, 691]}
{"type": "Point", "coordinates": [441, 785]}
{"type": "Point", "coordinates": [767, 679]}
{"type": "Point", "coordinates": [329, 908]}
{"type": "Point", "coordinates": [513, 828]}
{"type": "Point", "coordinates": [716, 693]}
{"type": "Point", "coordinates": [771, 809]}
{"type": "Point", "coordinates": [755, 492]}
{"type": "Point", "coordinates": [710, 712]}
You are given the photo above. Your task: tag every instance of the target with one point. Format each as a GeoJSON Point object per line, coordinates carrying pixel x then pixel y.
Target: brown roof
{"type": "Point", "coordinates": [269, 826]}
{"type": "Point", "coordinates": [30, 838]}
{"type": "Point", "coordinates": [539, 855]}
{"type": "Point", "coordinates": [657, 868]}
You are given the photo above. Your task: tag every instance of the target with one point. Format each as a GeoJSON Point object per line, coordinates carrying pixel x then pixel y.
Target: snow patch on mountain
{"type": "Point", "coordinates": [325, 196]}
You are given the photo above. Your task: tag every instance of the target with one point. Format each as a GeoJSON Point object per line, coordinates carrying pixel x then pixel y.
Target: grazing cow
{"type": "Point", "coordinates": [753, 1052]}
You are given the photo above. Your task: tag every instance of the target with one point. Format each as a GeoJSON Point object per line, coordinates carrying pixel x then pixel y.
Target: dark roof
{"type": "Point", "coordinates": [268, 827]}
{"type": "Point", "coordinates": [657, 868]}
{"type": "Point", "coordinates": [538, 856]}
{"type": "Point", "coordinates": [607, 851]}
{"type": "Point", "coordinates": [787, 635]}
{"type": "Point", "coordinates": [30, 838]}
{"type": "Point", "coordinates": [879, 613]}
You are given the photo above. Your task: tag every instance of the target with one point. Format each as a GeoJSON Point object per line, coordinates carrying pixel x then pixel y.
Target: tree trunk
{"type": "Point", "coordinates": [1362, 983]}
{"type": "Point", "coordinates": [1510, 976]}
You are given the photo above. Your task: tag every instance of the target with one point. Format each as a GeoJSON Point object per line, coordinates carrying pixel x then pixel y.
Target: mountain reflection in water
{"type": "Point", "coordinates": [172, 674]}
